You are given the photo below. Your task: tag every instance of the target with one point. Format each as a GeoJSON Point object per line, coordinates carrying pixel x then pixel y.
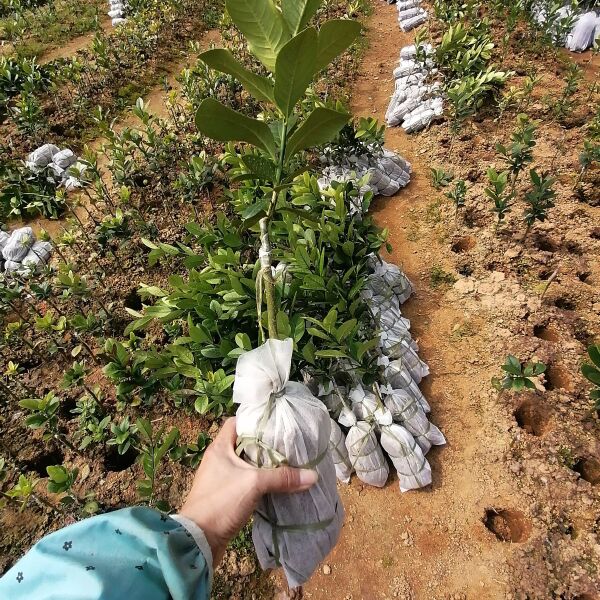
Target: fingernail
{"type": "Point", "coordinates": [308, 477]}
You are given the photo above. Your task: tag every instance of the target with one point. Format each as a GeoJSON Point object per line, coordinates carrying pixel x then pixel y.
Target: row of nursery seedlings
{"type": "Point", "coordinates": [118, 11]}
{"type": "Point", "coordinates": [410, 13]}
{"type": "Point", "coordinates": [383, 172]}
{"type": "Point", "coordinates": [392, 417]}
{"type": "Point", "coordinates": [577, 30]}
{"type": "Point", "coordinates": [417, 98]}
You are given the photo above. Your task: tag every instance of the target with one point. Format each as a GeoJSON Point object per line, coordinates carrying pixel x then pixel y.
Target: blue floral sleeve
{"type": "Point", "coordinates": [130, 554]}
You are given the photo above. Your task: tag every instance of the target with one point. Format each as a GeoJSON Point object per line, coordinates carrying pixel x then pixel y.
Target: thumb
{"type": "Point", "coordinates": [286, 480]}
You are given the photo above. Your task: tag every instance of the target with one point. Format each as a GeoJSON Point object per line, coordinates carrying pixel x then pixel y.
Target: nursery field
{"type": "Point", "coordinates": [408, 192]}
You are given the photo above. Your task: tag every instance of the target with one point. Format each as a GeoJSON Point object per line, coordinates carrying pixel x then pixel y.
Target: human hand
{"type": "Point", "coordinates": [226, 490]}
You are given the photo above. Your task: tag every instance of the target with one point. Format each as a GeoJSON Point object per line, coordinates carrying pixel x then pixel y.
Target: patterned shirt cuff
{"type": "Point", "coordinates": [200, 540]}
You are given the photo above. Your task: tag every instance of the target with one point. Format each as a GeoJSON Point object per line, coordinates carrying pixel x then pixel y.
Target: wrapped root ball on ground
{"type": "Point", "coordinates": [4, 237]}
{"type": "Point", "coordinates": [364, 450]}
{"type": "Point", "coordinates": [18, 244]}
{"type": "Point", "coordinates": [398, 378]}
{"type": "Point", "coordinates": [583, 34]}
{"type": "Point", "coordinates": [41, 157]}
{"type": "Point", "coordinates": [410, 414]}
{"type": "Point", "coordinates": [387, 277]}
{"type": "Point", "coordinates": [339, 453]}
{"type": "Point", "coordinates": [413, 469]}
{"type": "Point", "coordinates": [281, 422]}
{"type": "Point", "coordinates": [37, 257]}
{"type": "Point", "coordinates": [408, 360]}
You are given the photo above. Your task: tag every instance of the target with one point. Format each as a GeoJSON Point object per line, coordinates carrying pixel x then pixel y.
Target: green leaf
{"type": "Point", "coordinates": [591, 374]}
{"type": "Point", "coordinates": [297, 13]}
{"type": "Point", "coordinates": [321, 126]}
{"type": "Point", "coordinates": [263, 27]}
{"type": "Point", "coordinates": [512, 365]}
{"type": "Point", "coordinates": [295, 69]}
{"type": "Point", "coordinates": [344, 330]}
{"type": "Point", "coordinates": [260, 166]}
{"type": "Point", "coordinates": [308, 352]}
{"type": "Point", "coordinates": [331, 354]}
{"type": "Point", "coordinates": [222, 60]}
{"type": "Point", "coordinates": [334, 37]}
{"type": "Point", "coordinates": [57, 474]}
{"type": "Point", "coordinates": [594, 354]}
{"type": "Point", "coordinates": [283, 324]}
{"type": "Point", "coordinates": [226, 125]}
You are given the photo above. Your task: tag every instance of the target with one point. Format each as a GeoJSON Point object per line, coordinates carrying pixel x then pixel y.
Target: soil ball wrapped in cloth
{"type": "Point", "coordinates": [279, 422]}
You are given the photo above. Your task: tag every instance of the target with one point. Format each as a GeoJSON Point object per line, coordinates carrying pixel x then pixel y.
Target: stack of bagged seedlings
{"type": "Point", "coordinates": [20, 252]}
{"type": "Point", "coordinates": [410, 13]}
{"type": "Point", "coordinates": [118, 11]}
{"type": "Point", "coordinates": [416, 100]}
{"type": "Point", "coordinates": [391, 419]}
{"type": "Point", "coordinates": [385, 171]}
{"type": "Point", "coordinates": [62, 165]}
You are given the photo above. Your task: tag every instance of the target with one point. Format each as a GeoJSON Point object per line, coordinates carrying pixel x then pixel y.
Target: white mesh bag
{"type": "Point", "coordinates": [411, 465]}
{"type": "Point", "coordinates": [37, 257]}
{"type": "Point", "coordinates": [398, 378]}
{"type": "Point", "coordinates": [18, 245]}
{"type": "Point", "coordinates": [41, 157]}
{"type": "Point", "coordinates": [409, 413]}
{"type": "Point", "coordinates": [407, 360]}
{"type": "Point", "coordinates": [339, 453]}
{"type": "Point", "coordinates": [364, 450]}
{"type": "Point", "coordinates": [281, 422]}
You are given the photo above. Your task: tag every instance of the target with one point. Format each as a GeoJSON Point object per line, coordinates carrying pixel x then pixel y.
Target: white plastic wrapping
{"type": "Point", "coordinates": [281, 421]}
{"type": "Point", "coordinates": [37, 257]}
{"type": "Point", "coordinates": [41, 157]}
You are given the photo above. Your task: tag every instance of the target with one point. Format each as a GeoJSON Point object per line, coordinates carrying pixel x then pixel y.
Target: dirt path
{"type": "Point", "coordinates": [73, 46]}
{"type": "Point", "coordinates": [428, 544]}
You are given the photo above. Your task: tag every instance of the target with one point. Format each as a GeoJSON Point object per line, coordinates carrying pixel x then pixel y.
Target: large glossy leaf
{"type": "Point", "coordinates": [226, 125]}
{"type": "Point", "coordinates": [295, 69]}
{"type": "Point", "coordinates": [297, 13]}
{"type": "Point", "coordinates": [263, 27]}
{"type": "Point", "coordinates": [222, 60]}
{"type": "Point", "coordinates": [321, 126]}
{"type": "Point", "coordinates": [334, 37]}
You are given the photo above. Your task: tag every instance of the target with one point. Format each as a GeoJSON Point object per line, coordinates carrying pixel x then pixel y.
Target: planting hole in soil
{"type": "Point", "coordinates": [133, 300]}
{"type": "Point", "coordinates": [115, 462]}
{"type": "Point", "coordinates": [573, 248]}
{"type": "Point", "coordinates": [46, 459]}
{"type": "Point", "coordinates": [595, 233]}
{"type": "Point", "coordinates": [463, 244]}
{"type": "Point", "coordinates": [546, 332]}
{"type": "Point", "coordinates": [545, 274]}
{"type": "Point", "coordinates": [558, 378]}
{"type": "Point", "coordinates": [545, 244]}
{"type": "Point", "coordinates": [466, 270]}
{"type": "Point", "coordinates": [589, 469]}
{"type": "Point", "coordinates": [583, 276]}
{"type": "Point", "coordinates": [533, 417]}
{"type": "Point", "coordinates": [507, 525]}
{"type": "Point", "coordinates": [565, 303]}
